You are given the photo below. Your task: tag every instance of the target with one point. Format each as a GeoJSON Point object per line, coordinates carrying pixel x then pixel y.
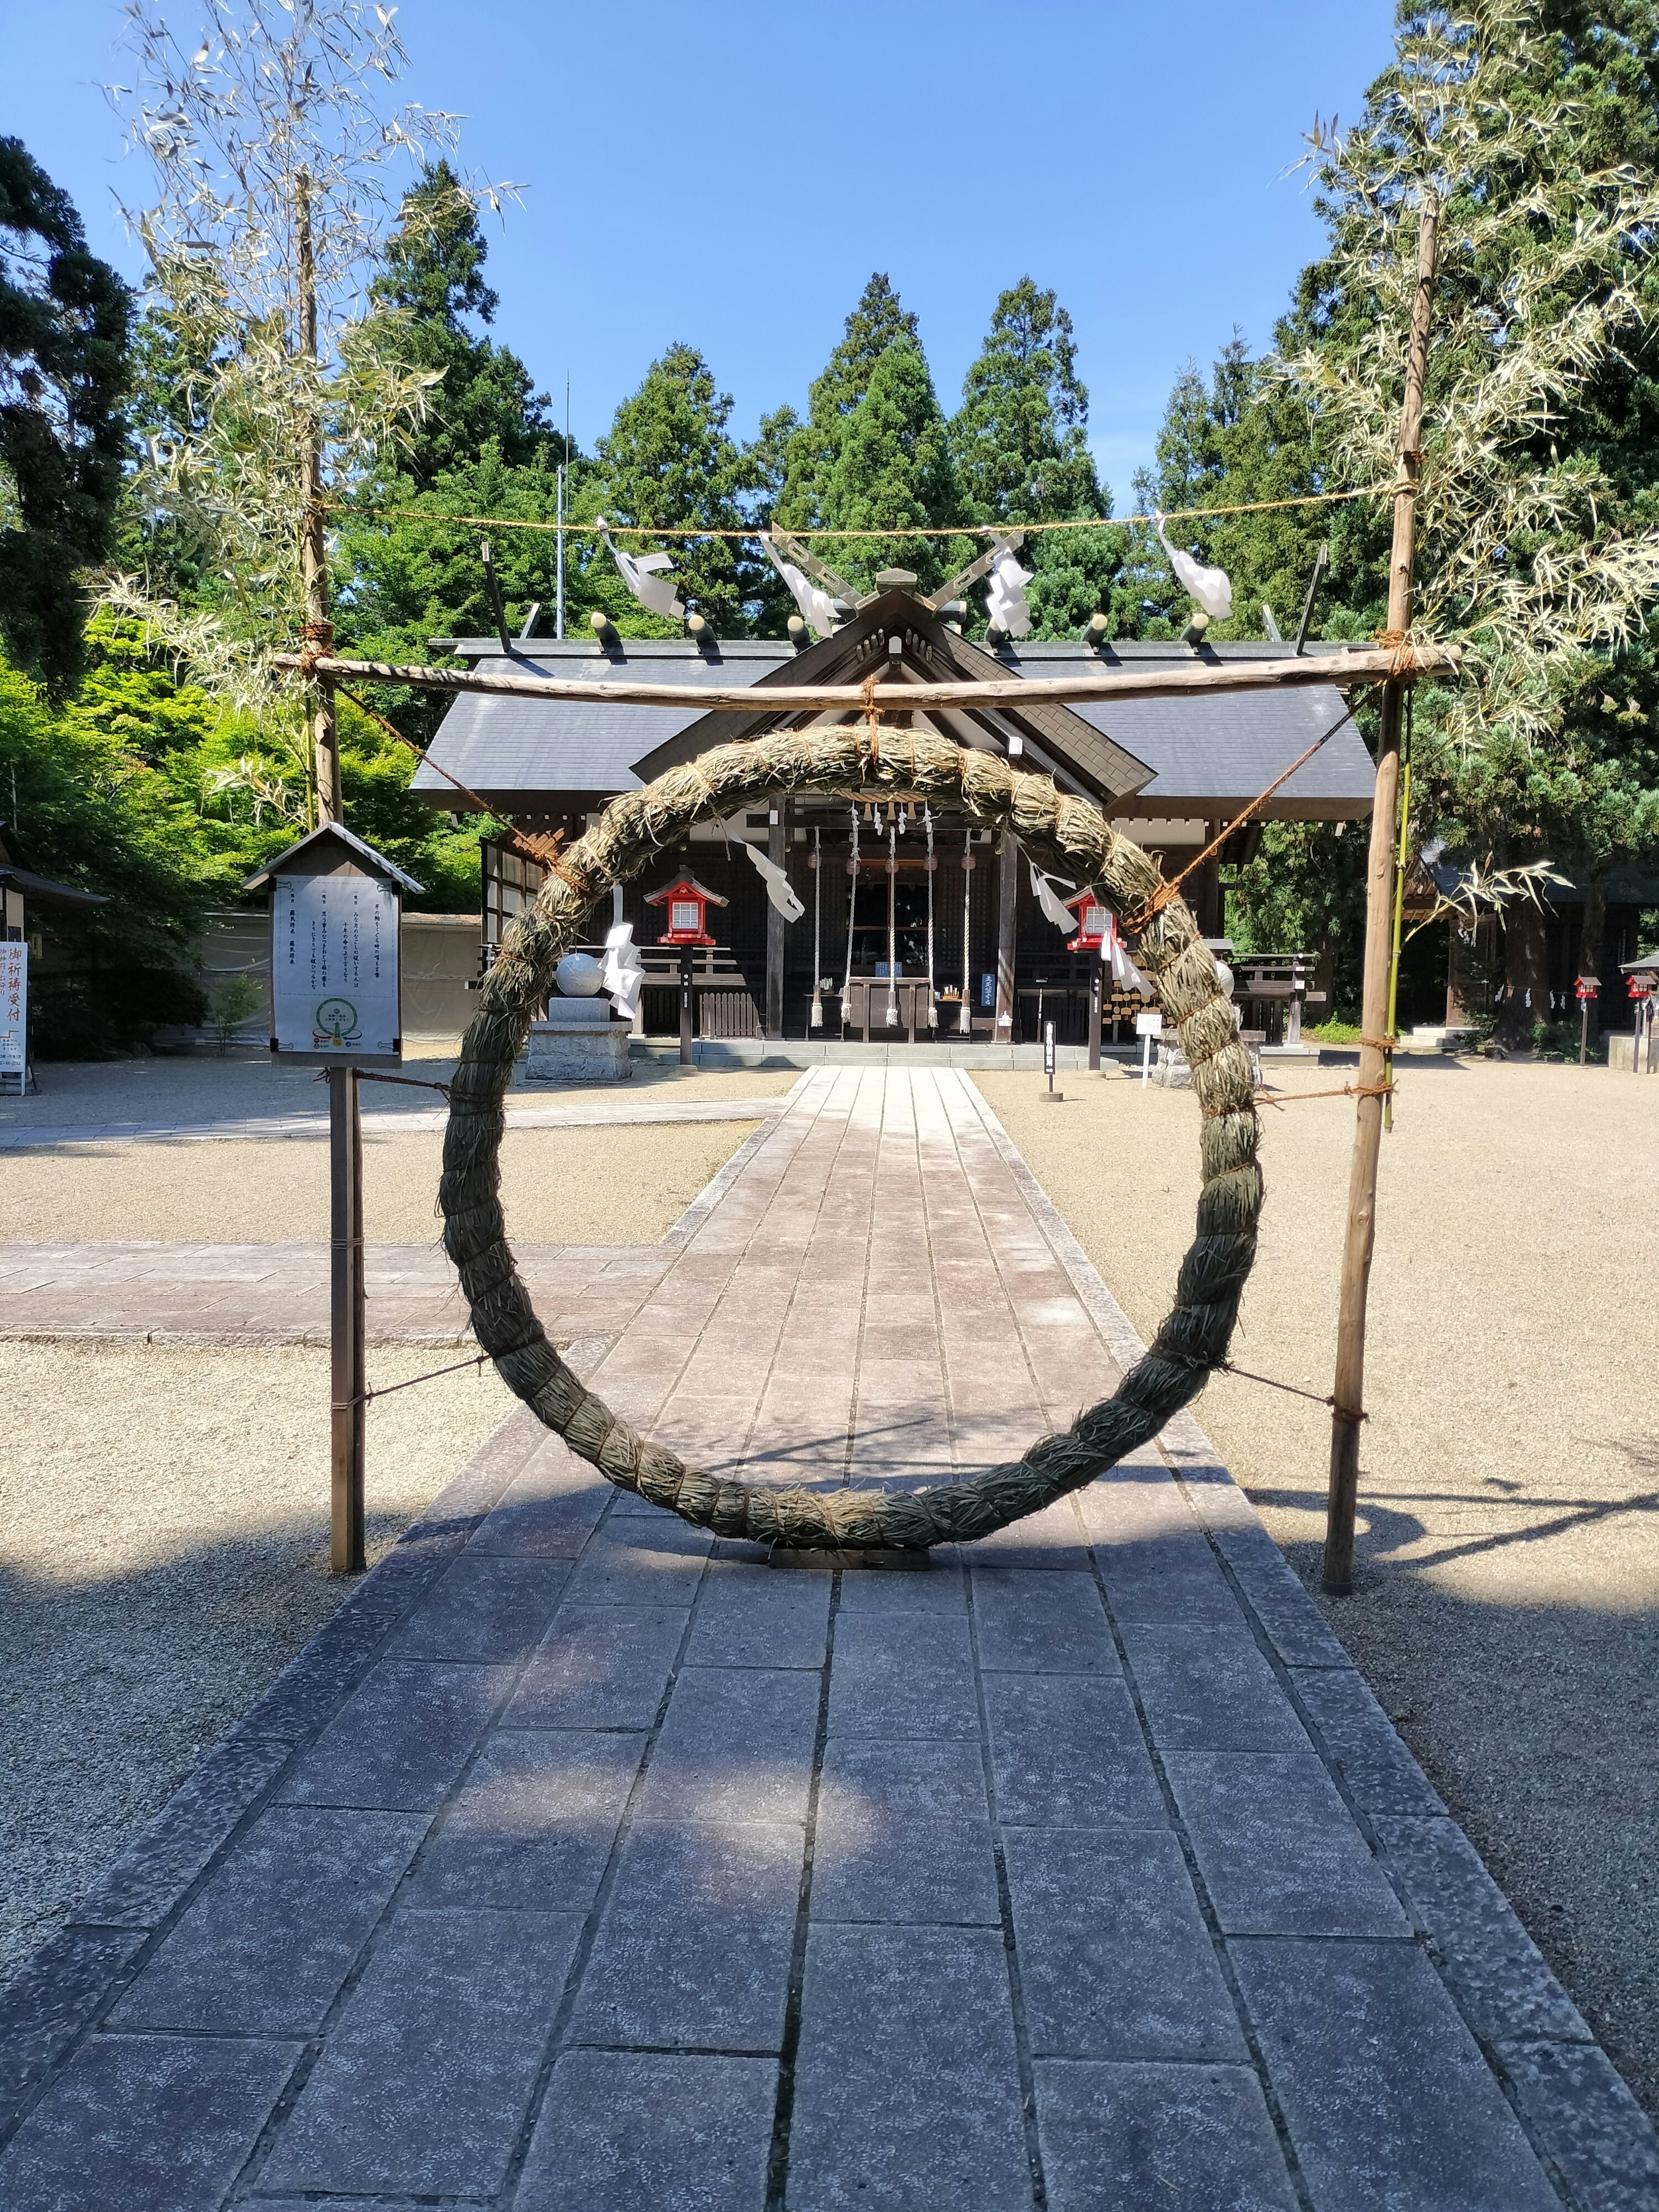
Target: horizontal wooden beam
{"type": "Point", "coordinates": [1372, 665]}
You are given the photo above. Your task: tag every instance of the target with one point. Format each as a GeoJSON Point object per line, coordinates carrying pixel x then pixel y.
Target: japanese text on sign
{"type": "Point", "coordinates": [13, 1006]}
{"type": "Point", "coordinates": [334, 966]}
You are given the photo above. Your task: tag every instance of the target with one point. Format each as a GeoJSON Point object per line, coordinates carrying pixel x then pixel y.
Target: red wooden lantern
{"type": "Point", "coordinates": [688, 903]}
{"type": "Point", "coordinates": [1094, 920]}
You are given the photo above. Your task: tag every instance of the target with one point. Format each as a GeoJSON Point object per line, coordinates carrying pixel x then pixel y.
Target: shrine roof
{"type": "Point", "coordinates": [1186, 756]}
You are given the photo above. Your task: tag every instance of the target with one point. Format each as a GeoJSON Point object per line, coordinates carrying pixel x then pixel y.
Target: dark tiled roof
{"type": "Point", "coordinates": [1207, 751]}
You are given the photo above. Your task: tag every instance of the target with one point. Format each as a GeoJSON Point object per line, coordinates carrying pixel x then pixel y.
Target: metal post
{"type": "Point", "coordinates": [1348, 1394]}
{"type": "Point", "coordinates": [1094, 1021]}
{"type": "Point", "coordinates": [346, 1302]}
{"type": "Point", "coordinates": [686, 1005]}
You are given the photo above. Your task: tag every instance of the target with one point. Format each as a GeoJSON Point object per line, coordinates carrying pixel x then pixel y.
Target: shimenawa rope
{"type": "Point", "coordinates": [1066, 833]}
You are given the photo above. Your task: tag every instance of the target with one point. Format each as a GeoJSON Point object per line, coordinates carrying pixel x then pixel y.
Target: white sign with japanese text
{"type": "Point", "coordinates": [13, 1006]}
{"type": "Point", "coordinates": [334, 967]}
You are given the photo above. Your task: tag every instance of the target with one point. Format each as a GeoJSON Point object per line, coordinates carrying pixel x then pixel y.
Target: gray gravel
{"type": "Point", "coordinates": [1507, 1611]}
{"type": "Point", "coordinates": [165, 1554]}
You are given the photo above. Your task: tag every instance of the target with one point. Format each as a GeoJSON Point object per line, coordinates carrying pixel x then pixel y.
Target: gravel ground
{"type": "Point", "coordinates": [196, 1087]}
{"type": "Point", "coordinates": [594, 1186]}
{"type": "Point", "coordinates": [1507, 1607]}
{"type": "Point", "coordinates": [165, 1554]}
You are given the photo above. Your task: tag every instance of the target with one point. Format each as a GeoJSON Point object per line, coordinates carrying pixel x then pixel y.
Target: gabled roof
{"type": "Point", "coordinates": [1079, 750]}
{"type": "Point", "coordinates": [1181, 756]}
{"type": "Point", "coordinates": [376, 863]}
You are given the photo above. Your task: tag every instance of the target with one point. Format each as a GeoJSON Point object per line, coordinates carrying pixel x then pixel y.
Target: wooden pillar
{"type": "Point", "coordinates": [314, 536]}
{"type": "Point", "coordinates": [1007, 891]}
{"type": "Point", "coordinates": [776, 837]}
{"type": "Point", "coordinates": [1347, 1410]}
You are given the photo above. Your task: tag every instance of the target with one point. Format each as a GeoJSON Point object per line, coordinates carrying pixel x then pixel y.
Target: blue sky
{"type": "Point", "coordinates": [731, 174]}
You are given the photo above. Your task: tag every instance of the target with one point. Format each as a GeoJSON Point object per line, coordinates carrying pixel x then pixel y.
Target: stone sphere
{"type": "Point", "coordinates": [577, 976]}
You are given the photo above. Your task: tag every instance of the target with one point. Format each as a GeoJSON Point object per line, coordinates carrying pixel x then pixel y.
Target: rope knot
{"type": "Point", "coordinates": [318, 636]}
{"type": "Point", "coordinates": [1404, 661]}
{"type": "Point", "coordinates": [871, 718]}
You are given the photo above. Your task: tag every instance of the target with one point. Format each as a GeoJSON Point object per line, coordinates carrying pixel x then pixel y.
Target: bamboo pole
{"type": "Point", "coordinates": [1368, 666]}
{"type": "Point", "coordinates": [314, 540]}
{"type": "Point", "coordinates": [1347, 1407]}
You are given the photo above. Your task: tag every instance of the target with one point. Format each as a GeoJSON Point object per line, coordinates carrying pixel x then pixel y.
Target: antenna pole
{"type": "Point", "coordinates": [564, 465]}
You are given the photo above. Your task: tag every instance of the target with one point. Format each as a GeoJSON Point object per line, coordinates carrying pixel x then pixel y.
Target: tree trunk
{"type": "Point", "coordinates": [1526, 979]}
{"type": "Point", "coordinates": [1592, 944]}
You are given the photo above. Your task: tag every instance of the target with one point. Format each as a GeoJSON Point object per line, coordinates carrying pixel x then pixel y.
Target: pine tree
{"type": "Point", "coordinates": [432, 280]}
{"type": "Point", "coordinates": [1021, 446]}
{"type": "Point", "coordinates": [65, 372]}
{"type": "Point", "coordinates": [894, 473]}
{"type": "Point", "coordinates": [814, 447]}
{"type": "Point", "coordinates": [668, 461]}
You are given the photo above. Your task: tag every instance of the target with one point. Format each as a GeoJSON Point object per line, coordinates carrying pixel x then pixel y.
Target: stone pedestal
{"type": "Point", "coordinates": [578, 1042]}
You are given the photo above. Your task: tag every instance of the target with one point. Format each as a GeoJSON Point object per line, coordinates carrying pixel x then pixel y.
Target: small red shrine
{"type": "Point", "coordinates": [688, 903]}
{"type": "Point", "coordinates": [1094, 920]}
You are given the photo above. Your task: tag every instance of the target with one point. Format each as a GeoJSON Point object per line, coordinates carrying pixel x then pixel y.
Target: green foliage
{"type": "Point", "coordinates": [1301, 893]}
{"type": "Point", "coordinates": [1021, 444]}
{"type": "Point", "coordinates": [814, 447]}
{"type": "Point", "coordinates": [66, 321]}
{"type": "Point", "coordinates": [431, 284]}
{"type": "Point", "coordinates": [893, 472]}
{"type": "Point", "coordinates": [668, 461]}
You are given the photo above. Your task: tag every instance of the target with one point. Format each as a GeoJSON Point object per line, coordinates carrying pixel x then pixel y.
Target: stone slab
{"type": "Point", "coordinates": [1390, 2104]}
{"type": "Point", "coordinates": [265, 1947]}
{"type": "Point", "coordinates": [1067, 1752]}
{"type": "Point", "coordinates": [1377, 1771]}
{"type": "Point", "coordinates": [1207, 1687]}
{"type": "Point", "coordinates": [623, 2131]}
{"type": "Point", "coordinates": [55, 1995]}
{"type": "Point", "coordinates": [482, 1609]}
{"type": "Point", "coordinates": [903, 1674]}
{"type": "Point", "coordinates": [530, 1828]}
{"type": "Point", "coordinates": [147, 2123]}
{"type": "Point", "coordinates": [549, 1510]}
{"type": "Point", "coordinates": [695, 1946]}
{"type": "Point", "coordinates": [425, 2080]}
{"type": "Point", "coordinates": [1580, 2113]}
{"type": "Point", "coordinates": [1179, 2138]}
{"type": "Point", "coordinates": [1278, 1848]}
{"type": "Point", "coordinates": [400, 1740]}
{"type": "Point", "coordinates": [141, 1887]}
{"type": "Point", "coordinates": [903, 1833]}
{"type": "Point", "coordinates": [600, 1666]}
{"type": "Point", "coordinates": [636, 1559]}
{"type": "Point", "coordinates": [907, 2083]}
{"type": "Point", "coordinates": [748, 1617]}
{"type": "Point", "coordinates": [737, 1745]}
{"type": "Point", "coordinates": [1116, 1961]}
{"type": "Point", "coordinates": [1038, 1623]}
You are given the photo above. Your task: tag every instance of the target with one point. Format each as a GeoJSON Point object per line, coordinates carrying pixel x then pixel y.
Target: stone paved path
{"type": "Point", "coordinates": [583, 1863]}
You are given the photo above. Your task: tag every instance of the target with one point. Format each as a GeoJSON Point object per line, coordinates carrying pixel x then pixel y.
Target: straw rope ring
{"type": "Point", "coordinates": [1063, 832]}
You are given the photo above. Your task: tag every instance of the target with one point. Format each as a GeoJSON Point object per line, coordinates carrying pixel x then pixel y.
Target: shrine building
{"type": "Point", "coordinates": [902, 914]}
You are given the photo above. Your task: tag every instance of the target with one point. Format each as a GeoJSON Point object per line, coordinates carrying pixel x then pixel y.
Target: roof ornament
{"type": "Point", "coordinates": [778, 888]}
{"type": "Point", "coordinates": [1212, 588]}
{"type": "Point", "coordinates": [649, 576]}
{"type": "Point", "coordinates": [817, 606]}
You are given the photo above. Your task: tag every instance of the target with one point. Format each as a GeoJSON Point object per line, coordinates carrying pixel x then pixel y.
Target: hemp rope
{"type": "Point", "coordinates": [1072, 837]}
{"type": "Point", "coordinates": [932, 530]}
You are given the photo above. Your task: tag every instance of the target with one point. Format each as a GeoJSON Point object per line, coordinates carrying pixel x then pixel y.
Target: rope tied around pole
{"type": "Point", "coordinates": [1406, 663]}
{"type": "Point", "coordinates": [1244, 1374]}
{"type": "Point", "coordinates": [318, 637]}
{"type": "Point", "coordinates": [1137, 923]}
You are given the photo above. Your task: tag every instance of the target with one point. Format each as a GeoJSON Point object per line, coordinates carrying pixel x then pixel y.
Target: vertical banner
{"type": "Point", "coordinates": [334, 967]}
{"type": "Point", "coordinates": [13, 1006]}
